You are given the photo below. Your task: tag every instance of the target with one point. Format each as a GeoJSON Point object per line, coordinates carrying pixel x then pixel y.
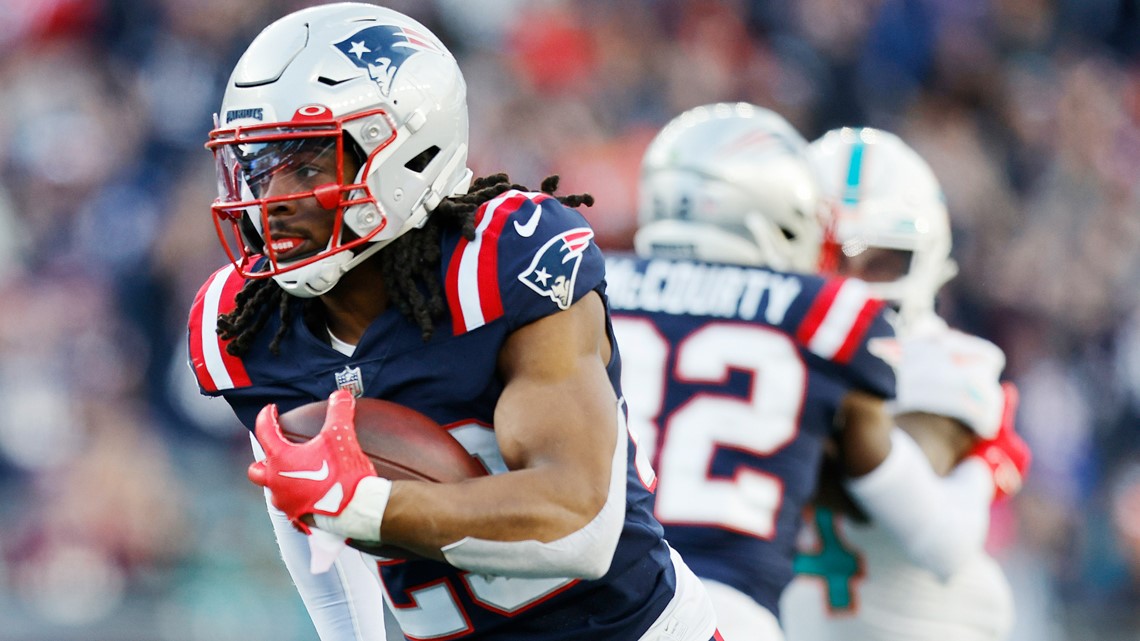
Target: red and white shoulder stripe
{"type": "Point", "coordinates": [472, 283]}
{"type": "Point", "coordinates": [216, 370]}
{"type": "Point", "coordinates": [838, 319]}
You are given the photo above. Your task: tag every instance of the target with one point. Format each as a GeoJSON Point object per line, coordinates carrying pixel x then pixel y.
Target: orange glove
{"type": "Point", "coordinates": [1006, 454]}
{"type": "Point", "coordinates": [318, 476]}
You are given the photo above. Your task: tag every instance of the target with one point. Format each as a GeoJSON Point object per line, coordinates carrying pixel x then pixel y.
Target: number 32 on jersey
{"type": "Point", "coordinates": [760, 424]}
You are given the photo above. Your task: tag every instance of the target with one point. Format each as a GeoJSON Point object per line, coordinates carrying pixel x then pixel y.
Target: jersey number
{"type": "Point", "coordinates": [435, 612]}
{"type": "Point", "coordinates": [760, 424]}
{"type": "Point", "coordinates": [834, 562]}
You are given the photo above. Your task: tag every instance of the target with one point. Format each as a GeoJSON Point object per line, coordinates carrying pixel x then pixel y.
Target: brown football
{"type": "Point", "coordinates": [402, 444]}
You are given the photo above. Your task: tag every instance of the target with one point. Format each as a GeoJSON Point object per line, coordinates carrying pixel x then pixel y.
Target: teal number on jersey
{"type": "Point", "coordinates": [834, 563]}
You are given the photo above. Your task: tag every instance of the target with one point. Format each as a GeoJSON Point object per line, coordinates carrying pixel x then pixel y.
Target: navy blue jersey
{"type": "Point", "coordinates": [532, 257]}
{"type": "Point", "coordinates": [733, 377]}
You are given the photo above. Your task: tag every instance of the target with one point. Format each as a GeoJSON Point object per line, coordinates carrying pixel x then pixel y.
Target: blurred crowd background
{"type": "Point", "coordinates": [124, 510]}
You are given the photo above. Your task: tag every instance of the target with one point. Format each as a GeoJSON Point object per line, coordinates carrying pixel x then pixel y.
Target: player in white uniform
{"type": "Point", "coordinates": [858, 580]}
{"type": "Point", "coordinates": [736, 407]}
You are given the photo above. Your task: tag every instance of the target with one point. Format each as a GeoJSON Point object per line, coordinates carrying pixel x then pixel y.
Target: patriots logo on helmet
{"type": "Point", "coordinates": [555, 266]}
{"type": "Point", "coordinates": [382, 49]}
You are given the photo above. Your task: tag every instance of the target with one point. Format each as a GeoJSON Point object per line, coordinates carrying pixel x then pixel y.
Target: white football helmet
{"type": "Point", "coordinates": [348, 78]}
{"type": "Point", "coordinates": [884, 195]}
{"type": "Point", "coordinates": [730, 183]}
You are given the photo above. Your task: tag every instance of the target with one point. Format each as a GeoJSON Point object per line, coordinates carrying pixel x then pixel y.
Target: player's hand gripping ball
{"type": "Point", "coordinates": [317, 453]}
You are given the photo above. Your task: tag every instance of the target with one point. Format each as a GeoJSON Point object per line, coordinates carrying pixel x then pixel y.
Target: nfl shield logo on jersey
{"type": "Point", "coordinates": [350, 379]}
{"type": "Point", "coordinates": [555, 266]}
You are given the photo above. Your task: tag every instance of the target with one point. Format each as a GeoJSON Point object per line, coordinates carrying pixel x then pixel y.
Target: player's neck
{"type": "Point", "coordinates": [341, 346]}
{"type": "Point", "coordinates": [358, 299]}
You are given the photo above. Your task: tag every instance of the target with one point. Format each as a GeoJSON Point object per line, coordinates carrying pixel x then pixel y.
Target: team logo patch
{"type": "Point", "coordinates": [382, 49]}
{"type": "Point", "coordinates": [555, 266]}
{"type": "Point", "coordinates": [350, 379]}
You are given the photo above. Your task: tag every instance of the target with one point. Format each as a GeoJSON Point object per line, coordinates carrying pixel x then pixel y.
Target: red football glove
{"type": "Point", "coordinates": [318, 476]}
{"type": "Point", "coordinates": [1007, 455]}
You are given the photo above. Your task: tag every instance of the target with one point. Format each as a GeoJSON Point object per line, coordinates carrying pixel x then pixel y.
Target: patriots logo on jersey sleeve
{"type": "Point", "coordinates": [555, 266]}
{"type": "Point", "coordinates": [382, 49]}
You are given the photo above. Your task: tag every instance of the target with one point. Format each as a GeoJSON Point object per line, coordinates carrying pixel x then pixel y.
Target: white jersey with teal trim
{"type": "Point", "coordinates": [854, 583]}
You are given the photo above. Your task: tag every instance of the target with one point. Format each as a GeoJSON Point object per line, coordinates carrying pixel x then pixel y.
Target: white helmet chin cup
{"type": "Point", "coordinates": [390, 88]}
{"type": "Point", "coordinates": [730, 183]}
{"type": "Point", "coordinates": [314, 279]}
{"type": "Point", "coordinates": [884, 195]}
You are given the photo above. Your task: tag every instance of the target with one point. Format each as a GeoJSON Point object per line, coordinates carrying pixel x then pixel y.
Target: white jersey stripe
{"type": "Point", "coordinates": [832, 333]}
{"type": "Point", "coordinates": [468, 285]}
{"type": "Point", "coordinates": [211, 345]}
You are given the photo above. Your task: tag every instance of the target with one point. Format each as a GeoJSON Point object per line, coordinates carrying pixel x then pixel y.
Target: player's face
{"type": "Point", "coordinates": [876, 264]}
{"type": "Point", "coordinates": [300, 227]}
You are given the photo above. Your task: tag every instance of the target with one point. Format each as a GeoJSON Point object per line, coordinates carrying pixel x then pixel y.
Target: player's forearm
{"type": "Point", "coordinates": [517, 506]}
{"type": "Point", "coordinates": [941, 522]}
{"type": "Point", "coordinates": [559, 513]}
{"type": "Point", "coordinates": [552, 518]}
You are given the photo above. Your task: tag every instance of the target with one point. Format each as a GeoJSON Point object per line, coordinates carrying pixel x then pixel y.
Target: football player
{"type": "Point", "coordinates": [858, 579]}
{"type": "Point", "coordinates": [742, 369]}
{"type": "Point", "coordinates": [366, 262]}
{"type": "Point", "coordinates": [741, 364]}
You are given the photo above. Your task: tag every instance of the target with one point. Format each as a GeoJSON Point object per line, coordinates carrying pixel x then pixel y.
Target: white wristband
{"type": "Point", "coordinates": [361, 518]}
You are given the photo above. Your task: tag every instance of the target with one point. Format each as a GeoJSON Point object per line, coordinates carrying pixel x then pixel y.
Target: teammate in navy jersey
{"type": "Point", "coordinates": [740, 367]}
{"type": "Point", "coordinates": [367, 263]}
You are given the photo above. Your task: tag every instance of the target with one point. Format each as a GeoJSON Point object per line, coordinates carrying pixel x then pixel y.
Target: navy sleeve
{"type": "Point", "coordinates": [847, 331]}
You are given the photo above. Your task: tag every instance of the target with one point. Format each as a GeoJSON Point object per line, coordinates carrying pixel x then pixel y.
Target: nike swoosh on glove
{"type": "Point", "coordinates": [319, 476]}
{"type": "Point", "coordinates": [1007, 454]}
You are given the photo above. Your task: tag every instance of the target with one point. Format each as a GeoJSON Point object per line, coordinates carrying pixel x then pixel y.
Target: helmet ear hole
{"type": "Point", "coordinates": [353, 150]}
{"type": "Point", "coordinates": [422, 159]}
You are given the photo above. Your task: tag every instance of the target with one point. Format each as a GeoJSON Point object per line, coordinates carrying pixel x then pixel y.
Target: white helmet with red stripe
{"type": "Point", "coordinates": [361, 81]}
{"type": "Point", "coordinates": [730, 183]}
{"type": "Point", "coordinates": [884, 195]}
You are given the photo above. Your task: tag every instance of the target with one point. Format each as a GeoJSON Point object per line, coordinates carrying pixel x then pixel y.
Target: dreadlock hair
{"type": "Point", "coordinates": [409, 265]}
